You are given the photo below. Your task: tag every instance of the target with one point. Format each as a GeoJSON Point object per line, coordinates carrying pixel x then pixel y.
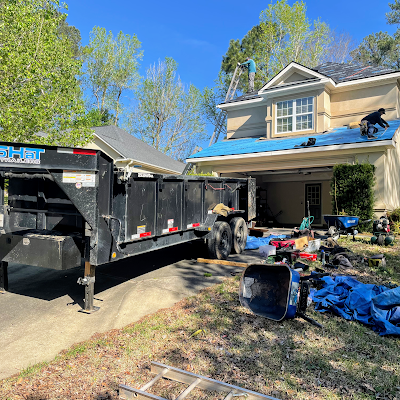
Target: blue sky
{"type": "Point", "coordinates": [197, 33]}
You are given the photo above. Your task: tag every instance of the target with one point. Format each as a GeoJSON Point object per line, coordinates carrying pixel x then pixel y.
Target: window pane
{"type": "Point", "coordinates": [304, 122]}
{"type": "Point", "coordinates": [284, 125]}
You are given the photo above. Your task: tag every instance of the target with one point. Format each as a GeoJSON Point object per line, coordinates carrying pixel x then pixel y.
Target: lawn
{"type": "Point", "coordinates": [288, 360]}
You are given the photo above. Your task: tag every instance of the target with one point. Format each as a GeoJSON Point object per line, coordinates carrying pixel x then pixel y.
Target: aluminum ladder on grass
{"type": "Point", "coordinates": [221, 118]}
{"type": "Point", "coordinates": [231, 392]}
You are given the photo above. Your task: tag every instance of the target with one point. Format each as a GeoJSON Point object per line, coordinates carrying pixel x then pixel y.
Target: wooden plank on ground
{"type": "Point", "coordinates": [223, 262]}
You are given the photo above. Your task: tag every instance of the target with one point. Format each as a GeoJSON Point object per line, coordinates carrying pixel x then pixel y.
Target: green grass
{"type": "Point", "coordinates": [287, 360]}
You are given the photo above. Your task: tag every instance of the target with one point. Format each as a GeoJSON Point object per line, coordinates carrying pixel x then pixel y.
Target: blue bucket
{"type": "Point", "coordinates": [270, 291]}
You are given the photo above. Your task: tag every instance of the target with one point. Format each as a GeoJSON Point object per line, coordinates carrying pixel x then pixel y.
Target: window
{"type": "Point", "coordinates": [294, 115]}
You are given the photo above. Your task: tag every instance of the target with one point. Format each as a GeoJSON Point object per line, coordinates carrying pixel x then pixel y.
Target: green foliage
{"type": "Point", "coordinates": [378, 49]}
{"type": "Point", "coordinates": [71, 33]}
{"type": "Point", "coordinates": [393, 17]}
{"type": "Point", "coordinates": [111, 68]}
{"type": "Point", "coordinates": [167, 113]}
{"type": "Point", "coordinates": [352, 189]}
{"type": "Point", "coordinates": [39, 90]}
{"type": "Point", "coordinates": [288, 35]}
{"type": "Point", "coordinates": [283, 35]}
{"type": "Point", "coordinates": [237, 52]}
{"type": "Point", "coordinates": [394, 219]}
{"type": "Point", "coordinates": [97, 118]}
{"type": "Point", "coordinates": [381, 48]}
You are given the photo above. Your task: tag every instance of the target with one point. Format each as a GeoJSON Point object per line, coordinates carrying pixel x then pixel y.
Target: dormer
{"type": "Point", "coordinates": [303, 101]}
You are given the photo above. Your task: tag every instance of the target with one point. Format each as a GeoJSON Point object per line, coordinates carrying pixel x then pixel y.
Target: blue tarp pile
{"type": "Point", "coordinates": [256, 242]}
{"type": "Point", "coordinates": [375, 306]}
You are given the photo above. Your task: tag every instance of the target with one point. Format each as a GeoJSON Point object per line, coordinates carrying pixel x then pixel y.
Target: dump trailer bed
{"type": "Point", "coordinates": [69, 206]}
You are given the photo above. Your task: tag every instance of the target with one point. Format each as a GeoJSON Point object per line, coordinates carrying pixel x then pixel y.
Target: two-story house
{"type": "Point", "coordinates": [266, 130]}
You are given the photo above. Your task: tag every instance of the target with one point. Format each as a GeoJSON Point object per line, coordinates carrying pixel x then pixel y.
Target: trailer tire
{"type": "Point", "coordinates": [220, 243]}
{"type": "Point", "coordinates": [239, 234]}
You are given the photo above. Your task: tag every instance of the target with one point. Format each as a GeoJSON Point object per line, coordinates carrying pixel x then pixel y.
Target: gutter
{"type": "Point", "coordinates": [381, 143]}
{"type": "Point", "coordinates": [131, 160]}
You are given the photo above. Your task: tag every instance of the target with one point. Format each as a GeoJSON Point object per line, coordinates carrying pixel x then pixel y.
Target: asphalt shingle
{"type": "Point", "coordinates": [134, 148]}
{"type": "Point", "coordinates": [349, 72]}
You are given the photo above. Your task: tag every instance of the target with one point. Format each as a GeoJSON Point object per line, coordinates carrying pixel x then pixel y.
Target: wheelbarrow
{"type": "Point", "coordinates": [342, 225]}
{"type": "Point", "coordinates": [276, 292]}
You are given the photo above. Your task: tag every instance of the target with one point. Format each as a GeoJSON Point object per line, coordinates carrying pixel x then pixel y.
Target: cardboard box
{"type": "Point", "coordinates": [300, 243]}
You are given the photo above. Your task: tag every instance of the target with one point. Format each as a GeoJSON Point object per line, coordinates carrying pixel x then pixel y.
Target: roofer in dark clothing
{"type": "Point", "coordinates": [367, 126]}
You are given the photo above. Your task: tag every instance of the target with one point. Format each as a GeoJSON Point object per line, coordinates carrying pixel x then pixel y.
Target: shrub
{"type": "Point", "coordinates": [352, 190]}
{"type": "Point", "coordinates": [394, 219]}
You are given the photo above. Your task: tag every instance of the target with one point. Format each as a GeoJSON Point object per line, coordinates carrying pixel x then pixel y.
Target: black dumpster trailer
{"type": "Point", "coordinates": [69, 206]}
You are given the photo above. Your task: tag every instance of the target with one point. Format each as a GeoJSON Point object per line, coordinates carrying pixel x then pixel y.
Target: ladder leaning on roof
{"type": "Point", "coordinates": [221, 117]}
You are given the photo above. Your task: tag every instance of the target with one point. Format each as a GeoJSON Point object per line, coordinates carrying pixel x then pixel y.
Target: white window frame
{"type": "Point", "coordinates": [294, 115]}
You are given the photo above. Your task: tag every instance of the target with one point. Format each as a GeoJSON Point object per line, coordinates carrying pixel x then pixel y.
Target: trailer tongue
{"type": "Point", "coordinates": [66, 207]}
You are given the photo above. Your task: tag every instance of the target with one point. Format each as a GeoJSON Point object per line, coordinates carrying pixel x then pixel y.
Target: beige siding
{"type": "Point", "coordinates": [391, 176]}
{"type": "Point", "coordinates": [352, 105]}
{"type": "Point", "coordinates": [247, 122]}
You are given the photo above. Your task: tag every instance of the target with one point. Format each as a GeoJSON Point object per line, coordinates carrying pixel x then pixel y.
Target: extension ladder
{"type": "Point", "coordinates": [194, 381]}
{"type": "Point", "coordinates": [221, 118]}
{"type": "Point", "coordinates": [220, 125]}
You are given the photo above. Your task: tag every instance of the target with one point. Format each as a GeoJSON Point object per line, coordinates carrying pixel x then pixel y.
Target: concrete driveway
{"type": "Point", "coordinates": [39, 314]}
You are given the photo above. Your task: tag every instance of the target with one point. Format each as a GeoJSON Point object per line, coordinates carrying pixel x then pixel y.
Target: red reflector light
{"type": "Point", "coordinates": [195, 225]}
{"type": "Point", "coordinates": [85, 152]}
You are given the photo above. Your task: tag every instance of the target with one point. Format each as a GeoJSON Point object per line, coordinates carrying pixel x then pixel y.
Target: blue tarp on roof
{"type": "Point", "coordinates": [337, 136]}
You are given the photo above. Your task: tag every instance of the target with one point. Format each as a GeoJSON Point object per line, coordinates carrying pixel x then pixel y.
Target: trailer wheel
{"type": "Point", "coordinates": [220, 243]}
{"type": "Point", "coordinates": [239, 234]}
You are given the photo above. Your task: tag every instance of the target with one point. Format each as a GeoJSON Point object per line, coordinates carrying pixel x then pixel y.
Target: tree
{"type": "Point", "coordinates": [39, 90]}
{"type": "Point", "coordinates": [340, 47]}
{"type": "Point", "coordinates": [378, 49]}
{"type": "Point", "coordinates": [167, 114]}
{"type": "Point", "coordinates": [381, 48]}
{"type": "Point", "coordinates": [71, 33]}
{"type": "Point", "coordinates": [238, 51]}
{"type": "Point", "coordinates": [111, 68]}
{"type": "Point", "coordinates": [283, 35]}
{"type": "Point", "coordinates": [95, 118]}
{"type": "Point", "coordinates": [393, 16]}
{"type": "Point", "coordinates": [288, 35]}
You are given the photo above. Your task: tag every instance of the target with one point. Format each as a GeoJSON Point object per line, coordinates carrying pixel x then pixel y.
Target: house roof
{"type": "Point", "coordinates": [133, 148]}
{"type": "Point", "coordinates": [337, 136]}
{"type": "Point", "coordinates": [349, 72]}
{"type": "Point", "coordinates": [338, 72]}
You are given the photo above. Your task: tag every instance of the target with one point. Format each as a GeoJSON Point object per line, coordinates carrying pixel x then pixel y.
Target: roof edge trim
{"type": "Point", "coordinates": [379, 143]}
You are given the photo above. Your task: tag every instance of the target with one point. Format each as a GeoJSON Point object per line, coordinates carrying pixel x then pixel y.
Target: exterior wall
{"type": "Point", "coordinates": [379, 160]}
{"type": "Point", "coordinates": [339, 107]}
{"type": "Point", "coordinates": [318, 99]}
{"type": "Point", "coordinates": [352, 105]}
{"type": "Point", "coordinates": [247, 122]}
{"type": "Point", "coordinates": [391, 176]}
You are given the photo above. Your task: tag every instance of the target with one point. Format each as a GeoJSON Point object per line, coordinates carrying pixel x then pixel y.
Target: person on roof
{"type": "Point", "coordinates": [251, 66]}
{"type": "Point", "coordinates": [367, 126]}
